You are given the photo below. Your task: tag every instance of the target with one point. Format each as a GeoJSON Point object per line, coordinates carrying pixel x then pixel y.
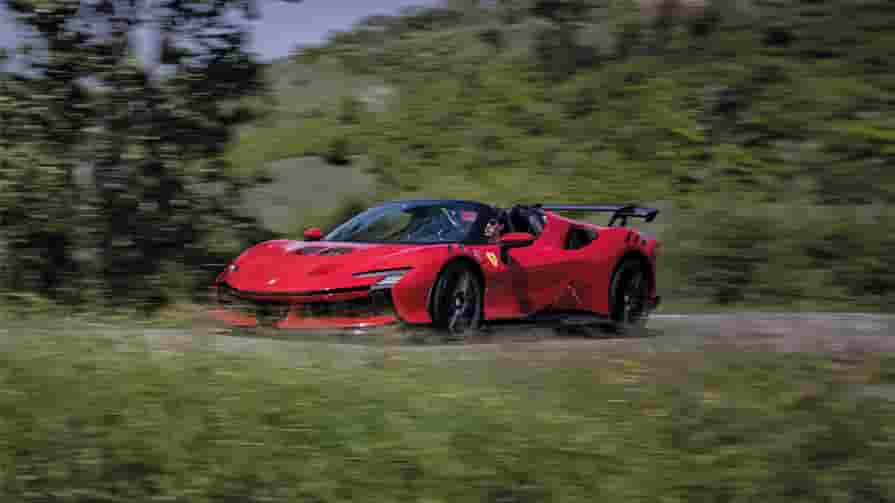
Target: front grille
{"type": "Point", "coordinates": [270, 313]}
{"type": "Point", "coordinates": [228, 290]}
{"type": "Point", "coordinates": [376, 304]}
{"type": "Point", "coordinates": [267, 312]}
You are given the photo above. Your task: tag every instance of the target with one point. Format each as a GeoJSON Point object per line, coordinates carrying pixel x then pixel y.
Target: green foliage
{"type": "Point", "coordinates": [722, 251]}
{"type": "Point", "coordinates": [857, 252]}
{"type": "Point", "coordinates": [307, 106]}
{"type": "Point", "coordinates": [111, 166]}
{"type": "Point", "coordinates": [304, 186]}
{"type": "Point", "coordinates": [327, 219]}
{"type": "Point", "coordinates": [774, 108]}
{"type": "Point", "coordinates": [787, 254]}
{"type": "Point", "coordinates": [350, 111]}
{"type": "Point", "coordinates": [337, 151]}
{"type": "Point", "coordinates": [555, 52]}
{"type": "Point", "coordinates": [90, 418]}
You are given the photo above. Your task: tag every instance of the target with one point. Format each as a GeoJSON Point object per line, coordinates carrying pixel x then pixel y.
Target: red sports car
{"type": "Point", "coordinates": [454, 265]}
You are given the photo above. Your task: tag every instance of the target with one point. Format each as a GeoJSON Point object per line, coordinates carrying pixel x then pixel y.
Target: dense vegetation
{"type": "Point", "coordinates": [763, 128]}
{"type": "Point", "coordinates": [113, 182]}
{"type": "Point", "coordinates": [766, 127]}
{"type": "Point", "coordinates": [85, 418]}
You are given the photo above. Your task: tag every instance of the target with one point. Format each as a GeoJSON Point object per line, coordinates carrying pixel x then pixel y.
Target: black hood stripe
{"type": "Point", "coordinates": [306, 293]}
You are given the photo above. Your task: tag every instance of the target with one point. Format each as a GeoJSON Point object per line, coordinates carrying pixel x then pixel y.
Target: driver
{"type": "Point", "coordinates": [492, 230]}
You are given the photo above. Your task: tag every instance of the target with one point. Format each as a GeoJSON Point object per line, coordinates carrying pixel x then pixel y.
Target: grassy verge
{"type": "Point", "coordinates": [85, 418]}
{"type": "Point", "coordinates": [299, 116]}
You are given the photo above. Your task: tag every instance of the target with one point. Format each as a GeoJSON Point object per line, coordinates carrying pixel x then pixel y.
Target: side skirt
{"type": "Point", "coordinates": [568, 318]}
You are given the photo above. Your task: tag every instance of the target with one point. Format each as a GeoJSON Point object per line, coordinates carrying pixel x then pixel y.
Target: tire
{"type": "Point", "coordinates": [629, 297]}
{"type": "Point", "coordinates": [457, 301]}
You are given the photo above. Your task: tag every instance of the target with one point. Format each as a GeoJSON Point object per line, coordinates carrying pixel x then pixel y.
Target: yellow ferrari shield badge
{"type": "Point", "coordinates": [492, 258]}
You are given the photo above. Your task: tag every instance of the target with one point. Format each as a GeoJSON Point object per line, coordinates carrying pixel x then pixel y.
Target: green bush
{"type": "Point", "coordinates": [721, 251]}
{"type": "Point", "coordinates": [338, 151]}
{"type": "Point", "coordinates": [859, 253]}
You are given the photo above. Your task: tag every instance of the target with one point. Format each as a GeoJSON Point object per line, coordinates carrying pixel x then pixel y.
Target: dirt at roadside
{"type": "Point", "coordinates": [841, 334]}
{"type": "Point", "coordinates": [849, 337]}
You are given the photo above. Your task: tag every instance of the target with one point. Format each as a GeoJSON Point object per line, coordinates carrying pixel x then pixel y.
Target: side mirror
{"type": "Point", "coordinates": [514, 240]}
{"type": "Point", "coordinates": [313, 234]}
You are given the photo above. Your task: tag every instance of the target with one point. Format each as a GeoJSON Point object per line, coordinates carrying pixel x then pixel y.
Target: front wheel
{"type": "Point", "coordinates": [629, 296]}
{"type": "Point", "coordinates": [457, 301]}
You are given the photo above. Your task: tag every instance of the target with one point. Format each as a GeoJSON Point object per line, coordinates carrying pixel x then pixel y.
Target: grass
{"type": "Point", "coordinates": [287, 144]}
{"type": "Point", "coordinates": [298, 110]}
{"type": "Point", "coordinates": [303, 187]}
{"type": "Point", "coordinates": [91, 417]}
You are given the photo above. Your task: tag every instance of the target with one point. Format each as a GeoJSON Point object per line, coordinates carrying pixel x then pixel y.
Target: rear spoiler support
{"type": "Point", "coordinates": [620, 212]}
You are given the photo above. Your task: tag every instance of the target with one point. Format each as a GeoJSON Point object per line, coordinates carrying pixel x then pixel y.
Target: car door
{"type": "Point", "coordinates": [578, 269]}
{"type": "Point", "coordinates": [525, 280]}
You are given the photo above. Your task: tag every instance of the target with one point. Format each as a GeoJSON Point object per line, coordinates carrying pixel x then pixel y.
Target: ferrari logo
{"type": "Point", "coordinates": [492, 258]}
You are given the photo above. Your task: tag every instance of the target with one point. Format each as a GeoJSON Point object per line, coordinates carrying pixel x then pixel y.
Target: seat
{"type": "Point", "coordinates": [523, 219]}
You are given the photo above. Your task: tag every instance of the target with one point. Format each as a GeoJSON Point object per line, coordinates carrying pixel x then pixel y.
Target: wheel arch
{"type": "Point", "coordinates": [474, 266]}
{"type": "Point", "coordinates": [644, 263]}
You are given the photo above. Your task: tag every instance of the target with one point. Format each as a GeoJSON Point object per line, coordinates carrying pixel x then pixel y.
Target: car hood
{"type": "Point", "coordinates": [300, 266]}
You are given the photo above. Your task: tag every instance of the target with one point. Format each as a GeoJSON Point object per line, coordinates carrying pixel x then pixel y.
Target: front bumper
{"type": "Point", "coordinates": [361, 311]}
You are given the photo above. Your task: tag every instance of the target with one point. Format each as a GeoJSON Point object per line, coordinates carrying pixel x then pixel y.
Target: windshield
{"type": "Point", "coordinates": [414, 222]}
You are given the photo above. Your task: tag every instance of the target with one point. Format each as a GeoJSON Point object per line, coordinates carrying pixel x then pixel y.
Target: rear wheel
{"type": "Point", "coordinates": [628, 295]}
{"type": "Point", "coordinates": [457, 300]}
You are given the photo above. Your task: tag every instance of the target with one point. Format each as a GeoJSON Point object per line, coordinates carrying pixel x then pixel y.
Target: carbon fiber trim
{"type": "Point", "coordinates": [269, 312]}
{"type": "Point", "coordinates": [306, 293]}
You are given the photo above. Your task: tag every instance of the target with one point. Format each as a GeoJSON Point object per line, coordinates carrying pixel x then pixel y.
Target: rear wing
{"type": "Point", "coordinates": [620, 212]}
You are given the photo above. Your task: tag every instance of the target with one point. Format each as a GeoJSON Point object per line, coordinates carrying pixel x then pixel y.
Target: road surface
{"type": "Point", "coordinates": [846, 335]}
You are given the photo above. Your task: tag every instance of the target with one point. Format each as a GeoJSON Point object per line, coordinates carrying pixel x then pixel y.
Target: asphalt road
{"type": "Point", "coordinates": [845, 335]}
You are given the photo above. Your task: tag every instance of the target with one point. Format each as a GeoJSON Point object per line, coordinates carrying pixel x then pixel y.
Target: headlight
{"type": "Point", "coordinates": [388, 281]}
{"type": "Point", "coordinates": [389, 277]}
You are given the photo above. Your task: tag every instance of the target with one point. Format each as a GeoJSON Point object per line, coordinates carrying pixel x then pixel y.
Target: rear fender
{"type": "Point", "coordinates": [647, 267]}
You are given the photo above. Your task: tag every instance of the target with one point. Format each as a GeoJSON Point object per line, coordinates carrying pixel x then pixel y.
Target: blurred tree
{"type": "Point", "coordinates": [557, 49]}
{"type": "Point", "coordinates": [144, 96]}
{"type": "Point", "coordinates": [721, 254]}
{"type": "Point", "coordinates": [561, 11]}
{"type": "Point", "coordinates": [510, 12]}
{"type": "Point", "coordinates": [338, 151]}
{"type": "Point", "coordinates": [350, 110]}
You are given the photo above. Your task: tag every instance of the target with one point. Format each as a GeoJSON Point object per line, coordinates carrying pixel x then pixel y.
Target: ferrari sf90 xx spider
{"type": "Point", "coordinates": [454, 265]}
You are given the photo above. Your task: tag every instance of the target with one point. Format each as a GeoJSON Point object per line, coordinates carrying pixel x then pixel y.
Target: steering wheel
{"type": "Point", "coordinates": [447, 214]}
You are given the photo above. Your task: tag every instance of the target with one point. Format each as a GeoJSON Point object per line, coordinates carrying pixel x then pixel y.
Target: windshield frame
{"type": "Point", "coordinates": [476, 234]}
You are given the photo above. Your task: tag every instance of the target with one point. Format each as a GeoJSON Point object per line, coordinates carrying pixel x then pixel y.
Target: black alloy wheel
{"type": "Point", "coordinates": [457, 301]}
{"type": "Point", "coordinates": [628, 293]}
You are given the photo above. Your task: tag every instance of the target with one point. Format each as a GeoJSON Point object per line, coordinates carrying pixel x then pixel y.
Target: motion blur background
{"type": "Point", "coordinates": [141, 139]}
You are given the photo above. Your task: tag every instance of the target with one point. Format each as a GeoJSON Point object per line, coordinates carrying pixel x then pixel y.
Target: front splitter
{"type": "Point", "coordinates": [315, 325]}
